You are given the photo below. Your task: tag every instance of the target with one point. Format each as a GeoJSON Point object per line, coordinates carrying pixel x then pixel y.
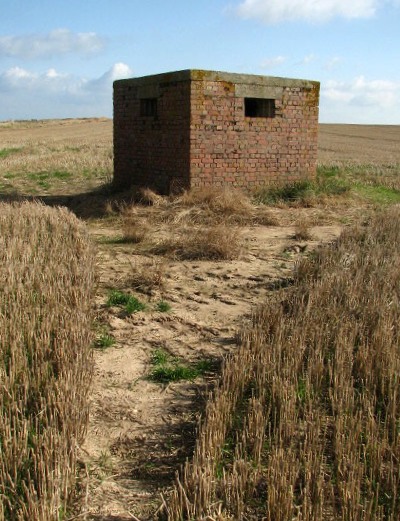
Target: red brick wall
{"type": "Point", "coordinates": [152, 151]}
{"type": "Point", "coordinates": [229, 148]}
{"type": "Point", "coordinates": [201, 136]}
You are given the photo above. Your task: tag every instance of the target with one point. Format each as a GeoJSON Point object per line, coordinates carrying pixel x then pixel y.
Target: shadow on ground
{"type": "Point", "coordinates": [85, 205]}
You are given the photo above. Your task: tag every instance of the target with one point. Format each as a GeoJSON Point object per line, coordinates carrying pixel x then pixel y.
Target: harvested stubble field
{"type": "Point", "coordinates": [47, 278]}
{"type": "Point", "coordinates": [304, 421]}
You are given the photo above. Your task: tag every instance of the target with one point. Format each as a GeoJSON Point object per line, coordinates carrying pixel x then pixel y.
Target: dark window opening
{"type": "Point", "coordinates": [259, 108]}
{"type": "Point", "coordinates": [148, 107]}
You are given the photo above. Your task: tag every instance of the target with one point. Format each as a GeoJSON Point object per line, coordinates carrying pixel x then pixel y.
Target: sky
{"type": "Point", "coordinates": [59, 58]}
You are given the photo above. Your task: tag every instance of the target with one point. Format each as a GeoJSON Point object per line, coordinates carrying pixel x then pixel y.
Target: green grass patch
{"type": "Point", "coordinates": [380, 195]}
{"type": "Point", "coordinates": [104, 341]}
{"type": "Point", "coordinates": [41, 179]}
{"type": "Point", "coordinates": [289, 192]}
{"type": "Point", "coordinates": [6, 152]}
{"type": "Point", "coordinates": [168, 368]}
{"type": "Point", "coordinates": [175, 373]}
{"type": "Point", "coordinates": [328, 183]}
{"type": "Point", "coordinates": [111, 240]}
{"type": "Point", "coordinates": [61, 174]}
{"type": "Point", "coordinates": [56, 174]}
{"type": "Point", "coordinates": [128, 302]}
{"type": "Point", "coordinates": [163, 306]}
{"type": "Point", "coordinates": [377, 184]}
{"type": "Point", "coordinates": [44, 179]}
{"type": "Point", "coordinates": [331, 181]}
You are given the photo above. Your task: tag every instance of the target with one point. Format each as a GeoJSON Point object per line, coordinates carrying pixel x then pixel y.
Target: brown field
{"type": "Point", "coordinates": [168, 312]}
{"type": "Point", "coordinates": [354, 143]}
{"type": "Point", "coordinates": [363, 144]}
{"type": "Point", "coordinates": [71, 131]}
{"type": "Point", "coordinates": [71, 156]}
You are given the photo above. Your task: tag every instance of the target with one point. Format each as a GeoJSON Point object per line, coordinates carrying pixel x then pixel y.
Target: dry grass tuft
{"type": "Point", "coordinates": [134, 228]}
{"type": "Point", "coordinates": [208, 206]}
{"type": "Point", "coordinates": [302, 231]}
{"type": "Point", "coordinates": [305, 422]}
{"type": "Point", "coordinates": [149, 197]}
{"type": "Point", "coordinates": [46, 289]}
{"type": "Point", "coordinates": [218, 242]}
{"type": "Point", "coordinates": [148, 277]}
{"type": "Point", "coordinates": [226, 200]}
{"type": "Point", "coordinates": [213, 205]}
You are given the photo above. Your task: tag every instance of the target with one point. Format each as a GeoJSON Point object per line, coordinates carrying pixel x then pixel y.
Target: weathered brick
{"type": "Point", "coordinates": [189, 129]}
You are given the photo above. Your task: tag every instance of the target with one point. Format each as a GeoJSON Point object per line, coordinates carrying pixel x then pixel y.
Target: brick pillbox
{"type": "Point", "coordinates": [195, 128]}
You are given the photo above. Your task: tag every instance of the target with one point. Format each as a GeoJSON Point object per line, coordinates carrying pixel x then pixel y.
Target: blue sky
{"type": "Point", "coordinates": [58, 58]}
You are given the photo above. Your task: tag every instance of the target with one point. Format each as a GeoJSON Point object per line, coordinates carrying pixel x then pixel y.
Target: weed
{"type": "Point", "coordinates": [134, 305]}
{"type": "Point", "coordinates": [173, 373]}
{"type": "Point", "coordinates": [130, 303]}
{"type": "Point", "coordinates": [205, 366]}
{"type": "Point", "coordinates": [45, 179]}
{"type": "Point", "coordinates": [163, 306]}
{"type": "Point", "coordinates": [104, 340]}
{"type": "Point", "coordinates": [104, 462]}
{"type": "Point", "coordinates": [168, 368]}
{"type": "Point", "coordinates": [117, 298]}
{"type": "Point", "coordinates": [161, 357]}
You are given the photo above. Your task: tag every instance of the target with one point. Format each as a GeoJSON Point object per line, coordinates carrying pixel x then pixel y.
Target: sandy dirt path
{"type": "Point", "coordinates": [140, 431]}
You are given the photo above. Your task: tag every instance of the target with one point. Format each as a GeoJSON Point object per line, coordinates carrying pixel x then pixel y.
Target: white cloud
{"type": "Point", "coordinates": [118, 71]}
{"type": "Point", "coordinates": [274, 11]}
{"type": "Point", "coordinates": [57, 42]}
{"type": "Point", "coordinates": [269, 63]}
{"type": "Point", "coordinates": [332, 62]}
{"type": "Point", "coordinates": [360, 101]}
{"type": "Point", "coordinates": [51, 94]}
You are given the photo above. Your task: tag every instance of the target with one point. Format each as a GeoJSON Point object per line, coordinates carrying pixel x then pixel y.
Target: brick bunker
{"type": "Point", "coordinates": [196, 128]}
